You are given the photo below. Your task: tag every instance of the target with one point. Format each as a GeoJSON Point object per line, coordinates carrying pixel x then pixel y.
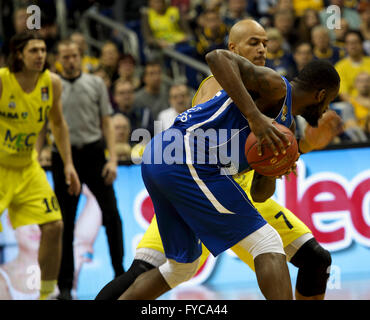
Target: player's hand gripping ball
{"type": "Point", "coordinates": [268, 164]}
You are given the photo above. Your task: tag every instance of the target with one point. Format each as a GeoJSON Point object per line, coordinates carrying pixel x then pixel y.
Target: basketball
{"type": "Point", "coordinates": [268, 164]}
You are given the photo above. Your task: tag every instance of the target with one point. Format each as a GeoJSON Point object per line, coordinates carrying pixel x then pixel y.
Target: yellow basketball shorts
{"type": "Point", "coordinates": [28, 196]}
{"type": "Point", "coordinates": [283, 220]}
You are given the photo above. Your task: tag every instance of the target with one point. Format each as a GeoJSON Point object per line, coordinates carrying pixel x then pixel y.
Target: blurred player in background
{"type": "Point", "coordinates": [30, 94]}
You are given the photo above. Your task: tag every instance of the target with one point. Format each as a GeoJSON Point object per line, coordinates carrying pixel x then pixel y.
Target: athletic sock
{"type": "Point", "coordinates": [47, 288]}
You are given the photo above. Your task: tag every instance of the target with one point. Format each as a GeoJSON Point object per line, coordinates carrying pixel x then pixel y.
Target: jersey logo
{"type": "Point", "coordinates": [44, 93]}
{"type": "Point", "coordinates": [284, 113]}
{"type": "Point", "coordinates": [11, 104]}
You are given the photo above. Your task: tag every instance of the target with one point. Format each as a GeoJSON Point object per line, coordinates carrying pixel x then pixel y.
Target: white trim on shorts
{"type": "Point", "coordinates": [219, 207]}
{"type": "Point", "coordinates": [154, 257]}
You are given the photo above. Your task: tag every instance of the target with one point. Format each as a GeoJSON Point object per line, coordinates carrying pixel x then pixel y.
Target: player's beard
{"type": "Point", "coordinates": [312, 114]}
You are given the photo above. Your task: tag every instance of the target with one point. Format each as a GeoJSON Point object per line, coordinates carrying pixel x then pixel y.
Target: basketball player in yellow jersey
{"type": "Point", "coordinates": [248, 39]}
{"type": "Point", "coordinates": [30, 94]}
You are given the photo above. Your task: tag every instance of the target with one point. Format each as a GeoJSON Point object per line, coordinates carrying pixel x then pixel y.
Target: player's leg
{"type": "Point", "coordinates": [91, 173]}
{"type": "Point", "coordinates": [68, 205]}
{"type": "Point", "coordinates": [264, 246]}
{"type": "Point", "coordinates": [36, 203]}
{"type": "Point", "coordinates": [261, 240]}
{"type": "Point", "coordinates": [302, 250]}
{"type": "Point", "coordinates": [181, 245]}
{"type": "Point", "coordinates": [50, 255]}
{"type": "Point", "coordinates": [313, 263]}
{"type": "Point", "coordinates": [115, 288]}
{"type": "Point", "coordinates": [312, 260]}
{"type": "Point", "coordinates": [224, 217]}
{"type": "Point", "coordinates": [149, 254]}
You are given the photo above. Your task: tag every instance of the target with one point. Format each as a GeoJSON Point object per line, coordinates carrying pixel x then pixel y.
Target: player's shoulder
{"type": "Point", "coordinates": [271, 82]}
{"type": "Point", "coordinates": [56, 80]}
{"type": "Point", "coordinates": [3, 71]}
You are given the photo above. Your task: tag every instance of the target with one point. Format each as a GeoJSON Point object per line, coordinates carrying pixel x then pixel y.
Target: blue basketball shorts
{"type": "Point", "coordinates": [196, 203]}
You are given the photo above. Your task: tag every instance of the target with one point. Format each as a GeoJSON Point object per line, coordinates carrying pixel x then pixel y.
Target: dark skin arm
{"type": "Point", "coordinates": [238, 76]}
{"type": "Point", "coordinates": [263, 187]}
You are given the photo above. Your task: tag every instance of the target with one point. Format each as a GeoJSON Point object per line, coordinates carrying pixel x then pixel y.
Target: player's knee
{"type": "Point", "coordinates": [312, 255]}
{"type": "Point", "coordinates": [264, 240]}
{"type": "Point", "coordinates": [176, 272]}
{"type": "Point", "coordinates": [314, 263]}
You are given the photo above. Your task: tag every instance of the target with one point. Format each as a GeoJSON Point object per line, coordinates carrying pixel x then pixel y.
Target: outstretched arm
{"type": "Point", "coordinates": [237, 76]}
{"type": "Point", "coordinates": [330, 125]}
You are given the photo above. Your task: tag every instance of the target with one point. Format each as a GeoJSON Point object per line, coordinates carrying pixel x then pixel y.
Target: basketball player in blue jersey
{"type": "Point", "coordinates": [196, 201]}
{"type": "Point", "coordinates": [248, 39]}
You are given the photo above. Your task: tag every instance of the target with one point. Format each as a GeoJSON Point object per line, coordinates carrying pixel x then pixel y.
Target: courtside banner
{"type": "Point", "coordinates": [331, 195]}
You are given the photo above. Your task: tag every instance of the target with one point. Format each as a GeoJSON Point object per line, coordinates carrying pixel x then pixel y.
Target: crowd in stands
{"type": "Point", "coordinates": [298, 31]}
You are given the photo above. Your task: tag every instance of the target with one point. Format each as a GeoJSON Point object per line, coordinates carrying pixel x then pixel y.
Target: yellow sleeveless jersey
{"type": "Point", "coordinates": [22, 116]}
{"type": "Point", "coordinates": [166, 26]}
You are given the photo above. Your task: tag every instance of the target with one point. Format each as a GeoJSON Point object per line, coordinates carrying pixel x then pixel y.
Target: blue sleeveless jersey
{"type": "Point", "coordinates": [214, 132]}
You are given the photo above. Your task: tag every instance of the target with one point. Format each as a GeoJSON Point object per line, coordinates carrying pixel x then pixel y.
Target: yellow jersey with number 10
{"type": "Point", "coordinates": [22, 116]}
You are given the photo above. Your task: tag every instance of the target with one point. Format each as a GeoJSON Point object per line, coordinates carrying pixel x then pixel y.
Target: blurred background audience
{"type": "Point", "coordinates": [150, 53]}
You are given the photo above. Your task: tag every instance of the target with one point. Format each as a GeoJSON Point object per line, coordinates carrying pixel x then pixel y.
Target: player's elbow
{"type": "Point", "coordinates": [260, 196]}
{"type": "Point", "coordinates": [262, 190]}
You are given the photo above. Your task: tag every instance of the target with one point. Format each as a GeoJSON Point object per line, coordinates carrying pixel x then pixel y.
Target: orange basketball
{"type": "Point", "coordinates": [268, 164]}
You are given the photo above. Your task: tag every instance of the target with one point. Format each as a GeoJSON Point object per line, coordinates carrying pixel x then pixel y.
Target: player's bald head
{"type": "Point", "coordinates": [245, 29]}
{"type": "Point", "coordinates": [248, 39]}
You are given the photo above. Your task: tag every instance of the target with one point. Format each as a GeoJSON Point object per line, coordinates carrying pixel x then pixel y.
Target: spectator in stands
{"type": "Point", "coordinates": [183, 5]}
{"type": "Point", "coordinates": [267, 9]}
{"type": "Point", "coordinates": [102, 73]}
{"type": "Point", "coordinates": [349, 14]}
{"type": "Point", "coordinates": [131, 10]}
{"type": "Point", "coordinates": [20, 17]}
{"type": "Point", "coordinates": [322, 48]}
{"type": "Point", "coordinates": [89, 63]}
{"type": "Point", "coordinates": [277, 58]}
{"type": "Point", "coordinates": [234, 11]}
{"type": "Point", "coordinates": [154, 93]}
{"type": "Point", "coordinates": [361, 102]}
{"type": "Point", "coordinates": [364, 10]}
{"type": "Point", "coordinates": [284, 21]}
{"type": "Point", "coordinates": [163, 26]}
{"type": "Point", "coordinates": [300, 6]}
{"type": "Point", "coordinates": [19, 23]}
{"type": "Point", "coordinates": [349, 67]}
{"type": "Point", "coordinates": [109, 59]}
{"type": "Point", "coordinates": [211, 33]}
{"type": "Point", "coordinates": [179, 99]}
{"type": "Point", "coordinates": [122, 130]}
{"type": "Point", "coordinates": [302, 54]}
{"type": "Point", "coordinates": [307, 22]}
{"type": "Point", "coordinates": [340, 33]}
{"type": "Point", "coordinates": [139, 116]}
{"type": "Point", "coordinates": [127, 70]}
{"type": "Point", "coordinates": [285, 5]}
